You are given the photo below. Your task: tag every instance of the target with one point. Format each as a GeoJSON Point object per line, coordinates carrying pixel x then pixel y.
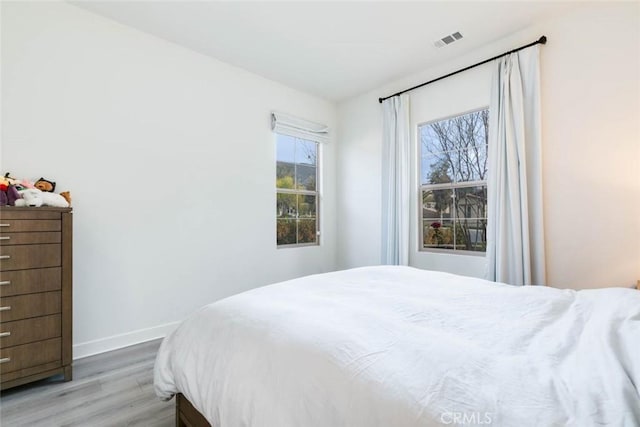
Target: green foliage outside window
{"type": "Point", "coordinates": [297, 196]}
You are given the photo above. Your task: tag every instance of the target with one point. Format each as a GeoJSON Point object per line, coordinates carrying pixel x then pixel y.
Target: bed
{"type": "Point", "coordinates": [398, 346]}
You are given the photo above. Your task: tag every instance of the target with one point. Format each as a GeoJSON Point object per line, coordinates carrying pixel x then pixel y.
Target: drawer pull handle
{"type": "Point", "coordinates": [5, 225]}
{"type": "Point", "coordinates": [5, 360]}
{"type": "Point", "coordinates": [5, 257]}
{"type": "Point", "coordinates": [5, 334]}
{"type": "Point", "coordinates": [5, 308]}
{"type": "Point", "coordinates": [5, 238]}
{"type": "Point", "coordinates": [5, 282]}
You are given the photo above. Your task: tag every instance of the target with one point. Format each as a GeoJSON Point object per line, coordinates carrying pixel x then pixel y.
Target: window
{"type": "Point", "coordinates": [453, 173]}
{"type": "Point", "coordinates": [297, 191]}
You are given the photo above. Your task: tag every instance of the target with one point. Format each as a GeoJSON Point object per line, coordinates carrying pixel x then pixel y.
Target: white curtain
{"type": "Point", "coordinates": [515, 238]}
{"type": "Point", "coordinates": [395, 181]}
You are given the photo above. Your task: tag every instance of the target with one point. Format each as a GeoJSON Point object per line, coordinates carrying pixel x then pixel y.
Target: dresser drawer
{"type": "Point", "coordinates": [12, 212]}
{"type": "Point", "coordinates": [21, 257]}
{"type": "Point", "coordinates": [34, 354]}
{"type": "Point", "coordinates": [20, 225]}
{"type": "Point", "coordinates": [30, 238]}
{"type": "Point", "coordinates": [29, 330]}
{"type": "Point", "coordinates": [31, 305]}
{"type": "Point", "coordinates": [20, 282]}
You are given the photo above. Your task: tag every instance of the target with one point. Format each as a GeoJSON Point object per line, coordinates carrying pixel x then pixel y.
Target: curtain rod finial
{"type": "Point", "coordinates": [543, 40]}
{"type": "Point", "coordinates": [380, 100]}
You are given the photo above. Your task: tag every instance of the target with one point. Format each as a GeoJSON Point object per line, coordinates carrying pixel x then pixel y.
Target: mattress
{"type": "Point", "coordinates": [398, 346]}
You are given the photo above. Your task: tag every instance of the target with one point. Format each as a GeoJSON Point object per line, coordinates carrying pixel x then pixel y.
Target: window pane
{"type": "Point", "coordinates": [286, 205]}
{"type": "Point", "coordinates": [306, 177]}
{"type": "Point", "coordinates": [436, 169]}
{"type": "Point", "coordinates": [461, 169]}
{"type": "Point", "coordinates": [284, 175]}
{"type": "Point", "coordinates": [454, 166]}
{"type": "Point", "coordinates": [471, 235]}
{"type": "Point", "coordinates": [471, 202]}
{"type": "Point", "coordinates": [433, 140]}
{"type": "Point", "coordinates": [306, 152]}
{"type": "Point", "coordinates": [470, 215]}
{"type": "Point", "coordinates": [438, 234]}
{"type": "Point", "coordinates": [437, 204]}
{"type": "Point", "coordinates": [459, 141]}
{"type": "Point", "coordinates": [286, 231]}
{"type": "Point", "coordinates": [306, 206]}
{"type": "Point", "coordinates": [286, 148]}
{"type": "Point", "coordinates": [307, 231]}
{"type": "Point", "coordinates": [471, 164]}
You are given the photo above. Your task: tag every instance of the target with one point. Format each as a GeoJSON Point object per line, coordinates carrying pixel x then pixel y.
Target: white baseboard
{"type": "Point", "coordinates": [115, 342]}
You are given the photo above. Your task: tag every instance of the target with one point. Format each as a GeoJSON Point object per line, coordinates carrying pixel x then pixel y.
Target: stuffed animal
{"type": "Point", "coordinates": [12, 195]}
{"type": "Point", "coordinates": [67, 196]}
{"type": "Point", "coordinates": [20, 184]}
{"type": "Point", "coordinates": [9, 179]}
{"type": "Point", "coordinates": [55, 200]}
{"type": "Point", "coordinates": [4, 200]}
{"type": "Point", "coordinates": [23, 184]}
{"type": "Point", "coordinates": [8, 193]}
{"type": "Point", "coordinates": [34, 197]}
{"type": "Point", "coordinates": [16, 192]}
{"type": "Point", "coordinates": [4, 187]}
{"type": "Point", "coordinates": [45, 185]}
{"type": "Point", "coordinates": [31, 198]}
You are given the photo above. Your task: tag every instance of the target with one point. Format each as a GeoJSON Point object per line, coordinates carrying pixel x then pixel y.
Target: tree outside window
{"type": "Point", "coordinates": [453, 171]}
{"type": "Point", "coordinates": [296, 191]}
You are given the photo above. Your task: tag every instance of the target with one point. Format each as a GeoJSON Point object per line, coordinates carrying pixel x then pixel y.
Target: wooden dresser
{"type": "Point", "coordinates": [35, 294]}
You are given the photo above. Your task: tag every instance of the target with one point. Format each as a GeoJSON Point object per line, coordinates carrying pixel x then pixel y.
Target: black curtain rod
{"type": "Point", "coordinates": [541, 40]}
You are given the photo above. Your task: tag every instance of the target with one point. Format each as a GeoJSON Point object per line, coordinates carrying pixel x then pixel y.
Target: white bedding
{"type": "Point", "coordinates": [397, 346]}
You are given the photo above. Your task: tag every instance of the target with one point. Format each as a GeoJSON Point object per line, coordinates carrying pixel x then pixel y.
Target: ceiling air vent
{"type": "Point", "coordinates": [448, 39]}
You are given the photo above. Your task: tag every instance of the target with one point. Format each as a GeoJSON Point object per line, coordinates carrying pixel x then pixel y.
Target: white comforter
{"type": "Point", "coordinates": [397, 346]}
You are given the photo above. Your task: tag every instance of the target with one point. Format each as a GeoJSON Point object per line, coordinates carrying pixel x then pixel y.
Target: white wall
{"type": "Point", "coordinates": [171, 164]}
{"type": "Point", "coordinates": [590, 71]}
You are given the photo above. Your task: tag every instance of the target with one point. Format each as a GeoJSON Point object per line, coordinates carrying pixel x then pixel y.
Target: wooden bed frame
{"type": "Point", "coordinates": [187, 415]}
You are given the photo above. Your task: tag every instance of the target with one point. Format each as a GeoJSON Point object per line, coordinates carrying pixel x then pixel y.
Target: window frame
{"type": "Point", "coordinates": [448, 186]}
{"type": "Point", "coordinates": [315, 193]}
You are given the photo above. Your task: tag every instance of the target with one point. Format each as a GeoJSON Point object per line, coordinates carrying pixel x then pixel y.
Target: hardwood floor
{"type": "Point", "coordinates": [109, 389]}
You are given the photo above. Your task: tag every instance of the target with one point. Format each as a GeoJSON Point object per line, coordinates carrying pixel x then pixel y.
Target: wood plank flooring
{"type": "Point", "coordinates": [109, 389]}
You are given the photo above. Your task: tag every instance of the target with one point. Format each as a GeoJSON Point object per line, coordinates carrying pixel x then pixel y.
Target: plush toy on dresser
{"type": "Point", "coordinates": [8, 194]}
{"type": "Point", "coordinates": [33, 197]}
{"type": "Point", "coordinates": [45, 185]}
{"type": "Point", "coordinates": [43, 195]}
{"type": "Point", "coordinates": [23, 193]}
{"type": "Point", "coordinates": [8, 191]}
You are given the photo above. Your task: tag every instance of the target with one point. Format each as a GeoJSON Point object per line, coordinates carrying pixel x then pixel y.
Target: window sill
{"type": "Point", "coordinates": [297, 245]}
{"type": "Point", "coordinates": [451, 252]}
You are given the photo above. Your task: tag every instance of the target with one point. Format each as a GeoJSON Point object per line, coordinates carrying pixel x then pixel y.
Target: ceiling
{"type": "Point", "coordinates": [334, 50]}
